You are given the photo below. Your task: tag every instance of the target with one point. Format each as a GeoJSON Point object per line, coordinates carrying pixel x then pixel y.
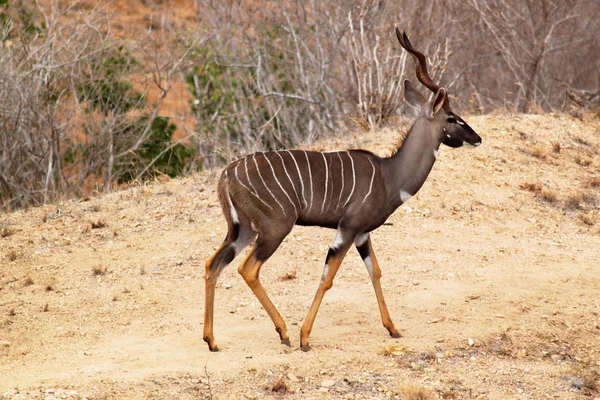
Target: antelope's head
{"type": "Point", "coordinates": [452, 129]}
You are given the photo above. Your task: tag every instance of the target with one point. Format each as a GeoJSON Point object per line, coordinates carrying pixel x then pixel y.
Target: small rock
{"type": "Point", "coordinates": [227, 285]}
{"type": "Point", "coordinates": [4, 343]}
{"type": "Point", "coordinates": [292, 377]}
{"type": "Point", "coordinates": [470, 342]}
{"type": "Point", "coordinates": [327, 383]}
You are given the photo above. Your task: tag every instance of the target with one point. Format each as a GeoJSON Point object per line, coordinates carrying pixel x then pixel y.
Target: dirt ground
{"type": "Point", "coordinates": [491, 272]}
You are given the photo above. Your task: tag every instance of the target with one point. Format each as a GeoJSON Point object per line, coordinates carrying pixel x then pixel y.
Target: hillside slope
{"type": "Point", "coordinates": [491, 272]}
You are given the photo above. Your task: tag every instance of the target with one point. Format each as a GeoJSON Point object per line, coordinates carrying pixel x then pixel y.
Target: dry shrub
{"type": "Point", "coordinates": [531, 187]}
{"type": "Point", "coordinates": [584, 162]}
{"type": "Point", "coordinates": [11, 255]}
{"type": "Point", "coordinates": [99, 224]}
{"type": "Point", "coordinates": [280, 386]}
{"type": "Point", "coordinates": [556, 146]}
{"type": "Point", "coordinates": [594, 182]}
{"type": "Point", "coordinates": [412, 392]}
{"type": "Point", "coordinates": [99, 270]}
{"type": "Point", "coordinates": [574, 201]}
{"type": "Point", "coordinates": [587, 219]}
{"type": "Point", "coordinates": [288, 276]}
{"type": "Point", "coordinates": [6, 232]}
{"type": "Point", "coordinates": [28, 281]}
{"type": "Point", "coordinates": [548, 196]}
{"type": "Point", "coordinates": [585, 379]}
{"type": "Point", "coordinates": [538, 153]}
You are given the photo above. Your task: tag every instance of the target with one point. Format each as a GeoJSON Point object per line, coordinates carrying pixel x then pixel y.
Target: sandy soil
{"type": "Point", "coordinates": [492, 273]}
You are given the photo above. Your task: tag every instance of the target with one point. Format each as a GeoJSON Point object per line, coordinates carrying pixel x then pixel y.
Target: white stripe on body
{"type": "Point", "coordinates": [326, 183]}
{"type": "Point", "coordinates": [299, 177]}
{"type": "Point", "coordinates": [280, 185]}
{"type": "Point", "coordinates": [265, 184]}
{"type": "Point", "coordinates": [289, 177]}
{"type": "Point", "coordinates": [246, 187]}
{"type": "Point", "coordinates": [372, 179]}
{"type": "Point", "coordinates": [342, 190]}
{"type": "Point", "coordinates": [353, 179]}
{"type": "Point", "coordinates": [232, 210]}
{"type": "Point", "coordinates": [311, 182]}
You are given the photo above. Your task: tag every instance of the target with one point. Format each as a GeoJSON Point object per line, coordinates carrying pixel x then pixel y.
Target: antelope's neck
{"type": "Point", "coordinates": [407, 170]}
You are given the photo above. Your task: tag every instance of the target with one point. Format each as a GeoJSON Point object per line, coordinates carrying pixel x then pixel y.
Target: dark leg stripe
{"type": "Point", "coordinates": [236, 232]}
{"type": "Point", "coordinates": [364, 250]}
{"type": "Point", "coordinates": [225, 256]}
{"type": "Point", "coordinates": [332, 252]}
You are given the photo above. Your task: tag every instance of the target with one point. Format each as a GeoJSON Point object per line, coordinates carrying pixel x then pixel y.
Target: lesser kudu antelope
{"type": "Point", "coordinates": [265, 194]}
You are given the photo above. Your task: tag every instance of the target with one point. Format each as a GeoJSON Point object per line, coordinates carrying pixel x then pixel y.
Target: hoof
{"type": "Point", "coordinates": [211, 344]}
{"type": "Point", "coordinates": [305, 348]}
{"type": "Point", "coordinates": [286, 342]}
{"type": "Point", "coordinates": [396, 335]}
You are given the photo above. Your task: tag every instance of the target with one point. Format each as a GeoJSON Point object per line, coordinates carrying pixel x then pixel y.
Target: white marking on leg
{"type": "Point", "coordinates": [326, 183]}
{"type": "Point", "coordinates": [337, 242]}
{"type": "Point", "coordinates": [435, 153]}
{"type": "Point", "coordinates": [253, 193]}
{"type": "Point", "coordinates": [325, 272]}
{"type": "Point", "coordinates": [369, 265]}
{"type": "Point", "coordinates": [342, 190]}
{"type": "Point", "coordinates": [289, 177]}
{"type": "Point", "coordinates": [311, 182]}
{"type": "Point", "coordinates": [372, 179]}
{"type": "Point", "coordinates": [405, 196]}
{"type": "Point", "coordinates": [279, 183]}
{"type": "Point", "coordinates": [299, 177]}
{"type": "Point", "coordinates": [265, 184]}
{"type": "Point", "coordinates": [361, 239]}
{"type": "Point", "coordinates": [353, 179]}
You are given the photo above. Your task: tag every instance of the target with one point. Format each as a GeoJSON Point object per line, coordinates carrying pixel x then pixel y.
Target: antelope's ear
{"type": "Point", "coordinates": [413, 96]}
{"type": "Point", "coordinates": [437, 103]}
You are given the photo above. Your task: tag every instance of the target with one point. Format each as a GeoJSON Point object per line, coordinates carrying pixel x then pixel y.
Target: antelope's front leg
{"type": "Point", "coordinates": [365, 248]}
{"type": "Point", "coordinates": [332, 263]}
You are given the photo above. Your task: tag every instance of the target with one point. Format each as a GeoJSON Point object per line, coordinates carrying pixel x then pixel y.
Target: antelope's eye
{"type": "Point", "coordinates": [451, 120]}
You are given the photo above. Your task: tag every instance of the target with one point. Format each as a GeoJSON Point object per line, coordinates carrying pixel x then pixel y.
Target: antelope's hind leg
{"type": "Point", "coordinates": [365, 248]}
{"type": "Point", "coordinates": [265, 246]}
{"type": "Point", "coordinates": [239, 236]}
